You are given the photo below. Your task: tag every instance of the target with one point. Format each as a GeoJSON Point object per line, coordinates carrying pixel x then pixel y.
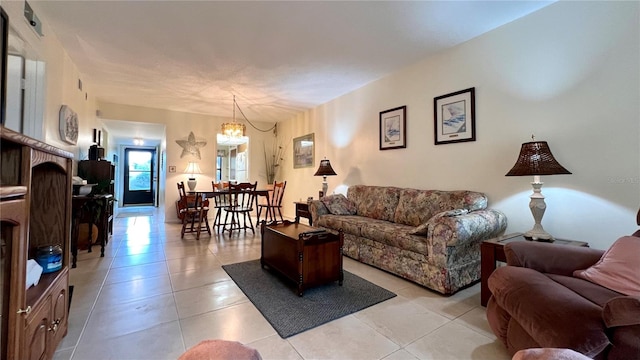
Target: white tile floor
{"type": "Point", "coordinates": [154, 295]}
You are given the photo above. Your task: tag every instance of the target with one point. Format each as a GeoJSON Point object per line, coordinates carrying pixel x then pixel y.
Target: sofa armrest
{"type": "Point", "coordinates": [317, 208]}
{"type": "Point", "coordinates": [469, 227]}
{"type": "Point", "coordinates": [622, 311]}
{"type": "Point", "coordinates": [551, 258]}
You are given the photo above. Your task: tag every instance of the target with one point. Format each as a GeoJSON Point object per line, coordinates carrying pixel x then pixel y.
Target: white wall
{"type": "Point", "coordinates": [61, 82]}
{"type": "Point", "coordinates": [568, 73]}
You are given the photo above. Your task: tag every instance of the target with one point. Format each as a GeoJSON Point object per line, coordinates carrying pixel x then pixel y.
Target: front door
{"type": "Point", "coordinates": [139, 176]}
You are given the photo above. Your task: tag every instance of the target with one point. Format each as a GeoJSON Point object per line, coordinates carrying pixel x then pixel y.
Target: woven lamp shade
{"type": "Point", "coordinates": [536, 159]}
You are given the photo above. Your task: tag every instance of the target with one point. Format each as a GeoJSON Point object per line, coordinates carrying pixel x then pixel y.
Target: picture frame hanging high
{"type": "Point", "coordinates": [393, 128]}
{"type": "Point", "coordinates": [303, 151]}
{"type": "Point", "coordinates": [455, 117]}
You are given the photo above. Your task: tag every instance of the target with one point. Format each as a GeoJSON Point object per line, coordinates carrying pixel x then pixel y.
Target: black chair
{"type": "Point", "coordinates": [240, 200]}
{"type": "Point", "coordinates": [193, 210]}
{"type": "Point", "coordinates": [274, 203]}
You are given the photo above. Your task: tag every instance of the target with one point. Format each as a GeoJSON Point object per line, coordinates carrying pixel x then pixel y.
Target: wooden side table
{"type": "Point", "coordinates": [492, 251]}
{"type": "Point", "coordinates": [302, 210]}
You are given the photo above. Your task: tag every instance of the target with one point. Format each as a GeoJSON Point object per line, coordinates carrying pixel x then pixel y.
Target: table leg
{"type": "Point", "coordinates": [487, 266]}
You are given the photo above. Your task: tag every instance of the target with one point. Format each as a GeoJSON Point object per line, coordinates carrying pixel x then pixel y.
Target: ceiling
{"type": "Point", "coordinates": [277, 58]}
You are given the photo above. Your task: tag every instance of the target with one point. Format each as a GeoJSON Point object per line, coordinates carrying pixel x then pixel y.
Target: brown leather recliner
{"type": "Point", "coordinates": [537, 303]}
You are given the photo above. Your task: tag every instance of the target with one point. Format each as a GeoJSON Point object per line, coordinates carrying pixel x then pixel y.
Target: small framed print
{"type": "Point", "coordinates": [455, 117]}
{"type": "Point", "coordinates": [303, 151]}
{"type": "Point", "coordinates": [393, 128]}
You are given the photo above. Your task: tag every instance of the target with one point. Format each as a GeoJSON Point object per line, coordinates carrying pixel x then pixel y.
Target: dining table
{"type": "Point", "coordinates": [210, 193]}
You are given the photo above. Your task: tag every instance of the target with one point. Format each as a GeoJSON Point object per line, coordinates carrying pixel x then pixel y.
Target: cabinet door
{"type": "Point", "coordinates": [12, 275]}
{"type": "Point", "coordinates": [59, 306]}
{"type": "Point", "coordinates": [37, 333]}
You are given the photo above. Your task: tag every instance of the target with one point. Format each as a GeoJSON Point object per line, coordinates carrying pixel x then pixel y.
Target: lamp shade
{"type": "Point", "coordinates": [325, 169]}
{"type": "Point", "coordinates": [234, 129]}
{"type": "Point", "coordinates": [193, 168]}
{"type": "Point", "coordinates": [536, 159]}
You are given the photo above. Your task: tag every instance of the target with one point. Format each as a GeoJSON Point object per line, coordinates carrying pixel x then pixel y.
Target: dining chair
{"type": "Point", "coordinates": [220, 201]}
{"type": "Point", "coordinates": [274, 203]}
{"type": "Point", "coordinates": [240, 201]}
{"type": "Point", "coordinates": [193, 210]}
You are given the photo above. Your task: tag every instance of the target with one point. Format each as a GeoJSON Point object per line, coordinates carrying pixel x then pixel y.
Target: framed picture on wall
{"type": "Point", "coordinates": [393, 128]}
{"type": "Point", "coordinates": [303, 151]}
{"type": "Point", "coordinates": [455, 117]}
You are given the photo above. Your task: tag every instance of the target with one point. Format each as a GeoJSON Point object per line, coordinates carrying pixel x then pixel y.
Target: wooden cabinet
{"type": "Point", "coordinates": [35, 211]}
{"type": "Point", "coordinates": [102, 173]}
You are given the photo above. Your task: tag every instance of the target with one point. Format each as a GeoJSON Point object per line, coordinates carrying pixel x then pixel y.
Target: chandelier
{"type": "Point", "coordinates": [234, 129]}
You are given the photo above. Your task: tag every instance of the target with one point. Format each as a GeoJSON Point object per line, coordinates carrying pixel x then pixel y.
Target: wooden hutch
{"type": "Point", "coordinates": [35, 211]}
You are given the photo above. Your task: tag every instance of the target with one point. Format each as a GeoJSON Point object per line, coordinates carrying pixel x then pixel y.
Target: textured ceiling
{"type": "Point", "coordinates": [278, 58]}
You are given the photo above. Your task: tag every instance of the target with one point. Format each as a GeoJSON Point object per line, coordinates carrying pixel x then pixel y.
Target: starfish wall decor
{"type": "Point", "coordinates": [191, 146]}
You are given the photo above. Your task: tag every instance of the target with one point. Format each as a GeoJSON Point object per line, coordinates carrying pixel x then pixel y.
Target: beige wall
{"type": "Point", "coordinates": [568, 73]}
{"type": "Point", "coordinates": [61, 83]}
{"type": "Point", "coordinates": [178, 126]}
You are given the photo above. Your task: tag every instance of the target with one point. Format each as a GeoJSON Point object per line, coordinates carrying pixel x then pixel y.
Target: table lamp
{"type": "Point", "coordinates": [324, 170]}
{"type": "Point", "coordinates": [536, 159]}
{"type": "Point", "coordinates": [192, 168]}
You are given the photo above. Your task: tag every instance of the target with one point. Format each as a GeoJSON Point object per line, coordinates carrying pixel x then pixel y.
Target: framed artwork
{"type": "Point", "coordinates": [393, 125]}
{"type": "Point", "coordinates": [303, 151]}
{"type": "Point", "coordinates": [455, 117]}
{"type": "Point", "coordinates": [68, 125]}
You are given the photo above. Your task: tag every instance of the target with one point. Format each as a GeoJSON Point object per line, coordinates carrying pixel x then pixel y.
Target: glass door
{"type": "Point", "coordinates": [139, 176]}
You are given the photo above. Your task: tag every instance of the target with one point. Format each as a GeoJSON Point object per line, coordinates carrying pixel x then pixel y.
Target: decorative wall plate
{"type": "Point", "coordinates": [68, 125]}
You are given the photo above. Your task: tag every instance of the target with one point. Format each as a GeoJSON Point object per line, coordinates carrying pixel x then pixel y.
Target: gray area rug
{"type": "Point", "coordinates": [276, 298]}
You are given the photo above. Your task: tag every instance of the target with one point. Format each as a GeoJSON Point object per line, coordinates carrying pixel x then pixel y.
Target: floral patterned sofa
{"type": "Point", "coordinates": [430, 237]}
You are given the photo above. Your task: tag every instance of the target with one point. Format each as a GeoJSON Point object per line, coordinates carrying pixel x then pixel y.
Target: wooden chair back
{"type": "Point", "coordinates": [242, 196]}
{"type": "Point", "coordinates": [278, 193]}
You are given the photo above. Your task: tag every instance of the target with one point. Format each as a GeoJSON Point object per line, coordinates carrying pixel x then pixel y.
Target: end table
{"type": "Point", "coordinates": [492, 251]}
{"type": "Point", "coordinates": [302, 210]}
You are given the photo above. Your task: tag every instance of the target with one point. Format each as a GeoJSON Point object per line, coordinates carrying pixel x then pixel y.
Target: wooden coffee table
{"type": "Point", "coordinates": [308, 256]}
{"type": "Point", "coordinates": [492, 251]}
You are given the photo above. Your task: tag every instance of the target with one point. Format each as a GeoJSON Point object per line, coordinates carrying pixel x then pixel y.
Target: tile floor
{"type": "Point", "coordinates": [154, 295]}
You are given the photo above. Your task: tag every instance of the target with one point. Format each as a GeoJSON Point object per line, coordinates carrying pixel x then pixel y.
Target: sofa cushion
{"type": "Point", "coordinates": [618, 268]}
{"type": "Point", "coordinates": [338, 204]}
{"type": "Point", "coordinates": [553, 315]}
{"type": "Point", "coordinates": [416, 207]}
{"type": "Point", "coordinates": [349, 224]}
{"type": "Point", "coordinates": [376, 202]}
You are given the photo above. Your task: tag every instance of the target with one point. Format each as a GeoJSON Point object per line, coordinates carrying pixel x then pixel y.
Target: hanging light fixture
{"type": "Point", "coordinates": [234, 129]}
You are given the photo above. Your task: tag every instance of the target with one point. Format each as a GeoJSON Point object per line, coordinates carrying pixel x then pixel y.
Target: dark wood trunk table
{"type": "Point", "coordinates": [308, 256]}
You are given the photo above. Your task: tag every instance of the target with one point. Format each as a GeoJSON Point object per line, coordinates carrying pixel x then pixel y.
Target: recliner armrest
{"type": "Point", "coordinates": [551, 258]}
{"type": "Point", "coordinates": [622, 311]}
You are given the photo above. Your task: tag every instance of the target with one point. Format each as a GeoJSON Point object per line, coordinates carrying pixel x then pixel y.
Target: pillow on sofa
{"type": "Point", "coordinates": [618, 268]}
{"type": "Point", "coordinates": [338, 204]}
{"type": "Point", "coordinates": [422, 229]}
